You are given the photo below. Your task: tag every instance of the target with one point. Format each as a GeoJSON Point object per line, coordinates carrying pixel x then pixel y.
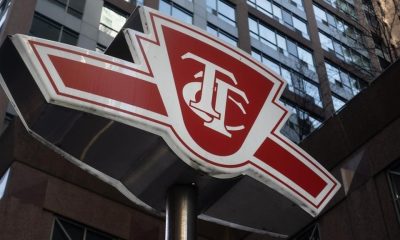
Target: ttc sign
{"type": "Point", "coordinates": [216, 107]}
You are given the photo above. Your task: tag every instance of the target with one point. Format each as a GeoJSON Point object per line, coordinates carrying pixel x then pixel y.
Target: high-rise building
{"type": "Point", "coordinates": [328, 51]}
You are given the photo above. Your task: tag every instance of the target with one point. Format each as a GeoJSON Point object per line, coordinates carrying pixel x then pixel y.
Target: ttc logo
{"type": "Point", "coordinates": [210, 87]}
{"type": "Point", "coordinates": [215, 106]}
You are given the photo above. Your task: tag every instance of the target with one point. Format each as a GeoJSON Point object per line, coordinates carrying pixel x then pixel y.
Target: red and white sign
{"type": "Point", "coordinates": [216, 107]}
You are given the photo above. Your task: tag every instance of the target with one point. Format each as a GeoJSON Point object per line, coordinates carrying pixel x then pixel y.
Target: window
{"type": "Point", "coordinates": [111, 20]}
{"type": "Point", "coordinates": [46, 28]}
{"type": "Point", "coordinates": [394, 181]}
{"type": "Point", "coordinates": [138, 2]}
{"type": "Point", "coordinates": [297, 3]}
{"type": "Point", "coordinates": [344, 52]}
{"type": "Point", "coordinates": [297, 82]}
{"type": "Point", "coordinates": [222, 34]}
{"type": "Point", "coordinates": [222, 9]}
{"type": "Point", "coordinates": [344, 7]}
{"type": "Point", "coordinates": [299, 125]}
{"type": "Point", "coordinates": [344, 79]}
{"type": "Point", "coordinates": [281, 43]}
{"type": "Point", "coordinates": [4, 6]}
{"type": "Point", "coordinates": [176, 11]}
{"type": "Point", "coordinates": [3, 183]}
{"type": "Point", "coordinates": [73, 7]}
{"type": "Point", "coordinates": [310, 233]}
{"type": "Point", "coordinates": [264, 6]}
{"type": "Point", "coordinates": [338, 102]}
{"type": "Point", "coordinates": [282, 15]}
{"type": "Point", "coordinates": [326, 42]}
{"type": "Point", "coordinates": [66, 229]}
{"type": "Point", "coordinates": [100, 48]}
{"type": "Point", "coordinates": [352, 34]}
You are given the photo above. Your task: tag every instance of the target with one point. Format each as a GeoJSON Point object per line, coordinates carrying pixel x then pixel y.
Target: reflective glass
{"type": "Point", "coordinates": [265, 6]}
{"type": "Point", "coordinates": [111, 21]}
{"type": "Point", "coordinates": [320, 14]}
{"type": "Point", "coordinates": [226, 10]}
{"type": "Point", "coordinates": [337, 103]}
{"type": "Point", "coordinates": [326, 42]}
{"type": "Point", "coordinates": [282, 43]}
{"type": "Point", "coordinates": [301, 26]}
{"type": "Point", "coordinates": [292, 48]}
{"type": "Point", "coordinates": [287, 17]}
{"type": "Point", "coordinates": [181, 15]}
{"type": "Point", "coordinates": [277, 11]}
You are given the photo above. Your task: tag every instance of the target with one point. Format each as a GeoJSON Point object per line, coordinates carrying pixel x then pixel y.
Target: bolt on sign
{"type": "Point", "coordinates": [215, 106]}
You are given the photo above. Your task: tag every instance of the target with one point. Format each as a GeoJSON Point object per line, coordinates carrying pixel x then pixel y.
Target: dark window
{"type": "Point", "coordinates": [48, 29]}
{"type": "Point", "coordinates": [287, 18]}
{"type": "Point", "coordinates": [310, 233]}
{"type": "Point", "coordinates": [394, 180]}
{"type": "Point", "coordinates": [73, 7]}
{"type": "Point", "coordinates": [64, 229]}
{"type": "Point", "coordinates": [299, 125]}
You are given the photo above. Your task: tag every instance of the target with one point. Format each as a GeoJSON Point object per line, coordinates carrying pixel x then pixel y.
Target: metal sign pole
{"type": "Point", "coordinates": [181, 213]}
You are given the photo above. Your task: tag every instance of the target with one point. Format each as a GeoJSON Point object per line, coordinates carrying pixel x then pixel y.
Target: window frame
{"type": "Point", "coordinates": [215, 10]}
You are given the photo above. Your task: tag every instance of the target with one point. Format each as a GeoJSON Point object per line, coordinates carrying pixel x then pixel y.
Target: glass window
{"type": "Point", "coordinates": [338, 49]}
{"type": "Point", "coordinates": [274, 66]}
{"type": "Point", "coordinates": [64, 229]}
{"type": "Point", "coordinates": [306, 56]}
{"type": "Point", "coordinates": [287, 18]}
{"type": "Point", "coordinates": [223, 10]}
{"type": "Point", "coordinates": [344, 79]}
{"type": "Point", "coordinates": [4, 6]}
{"type": "Point", "coordinates": [284, 16]}
{"type": "Point", "coordinates": [344, 52]}
{"type": "Point", "coordinates": [222, 34]}
{"type": "Point", "coordinates": [3, 183]}
{"type": "Point", "coordinates": [301, 26]}
{"type": "Point", "coordinates": [277, 12]}
{"type": "Point", "coordinates": [301, 124]}
{"type": "Point", "coordinates": [394, 181]}
{"type": "Point", "coordinates": [331, 20]}
{"type": "Point", "coordinates": [326, 42]}
{"type": "Point", "coordinates": [292, 48]}
{"type": "Point", "coordinates": [296, 81]}
{"type": "Point", "coordinates": [73, 7]}
{"type": "Point", "coordinates": [48, 29]}
{"type": "Point", "coordinates": [312, 91]}
{"type": "Point", "coordinates": [181, 14]}
{"type": "Point", "coordinates": [343, 6]}
{"type": "Point", "coordinates": [268, 35]}
{"type": "Point", "coordinates": [176, 11]}
{"type": "Point", "coordinates": [281, 44]}
{"type": "Point", "coordinates": [256, 55]}
{"type": "Point", "coordinates": [337, 103]}
{"type": "Point", "coordinates": [320, 14]}
{"type": "Point", "coordinates": [253, 26]}
{"type": "Point", "coordinates": [332, 72]}
{"type": "Point", "coordinates": [297, 3]}
{"type": "Point", "coordinates": [111, 20]}
{"type": "Point", "coordinates": [310, 233]}
{"type": "Point", "coordinates": [264, 6]}
{"type": "Point", "coordinates": [288, 77]}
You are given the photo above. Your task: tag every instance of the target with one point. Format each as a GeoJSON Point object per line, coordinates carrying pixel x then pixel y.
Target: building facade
{"type": "Point", "coordinates": [327, 50]}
